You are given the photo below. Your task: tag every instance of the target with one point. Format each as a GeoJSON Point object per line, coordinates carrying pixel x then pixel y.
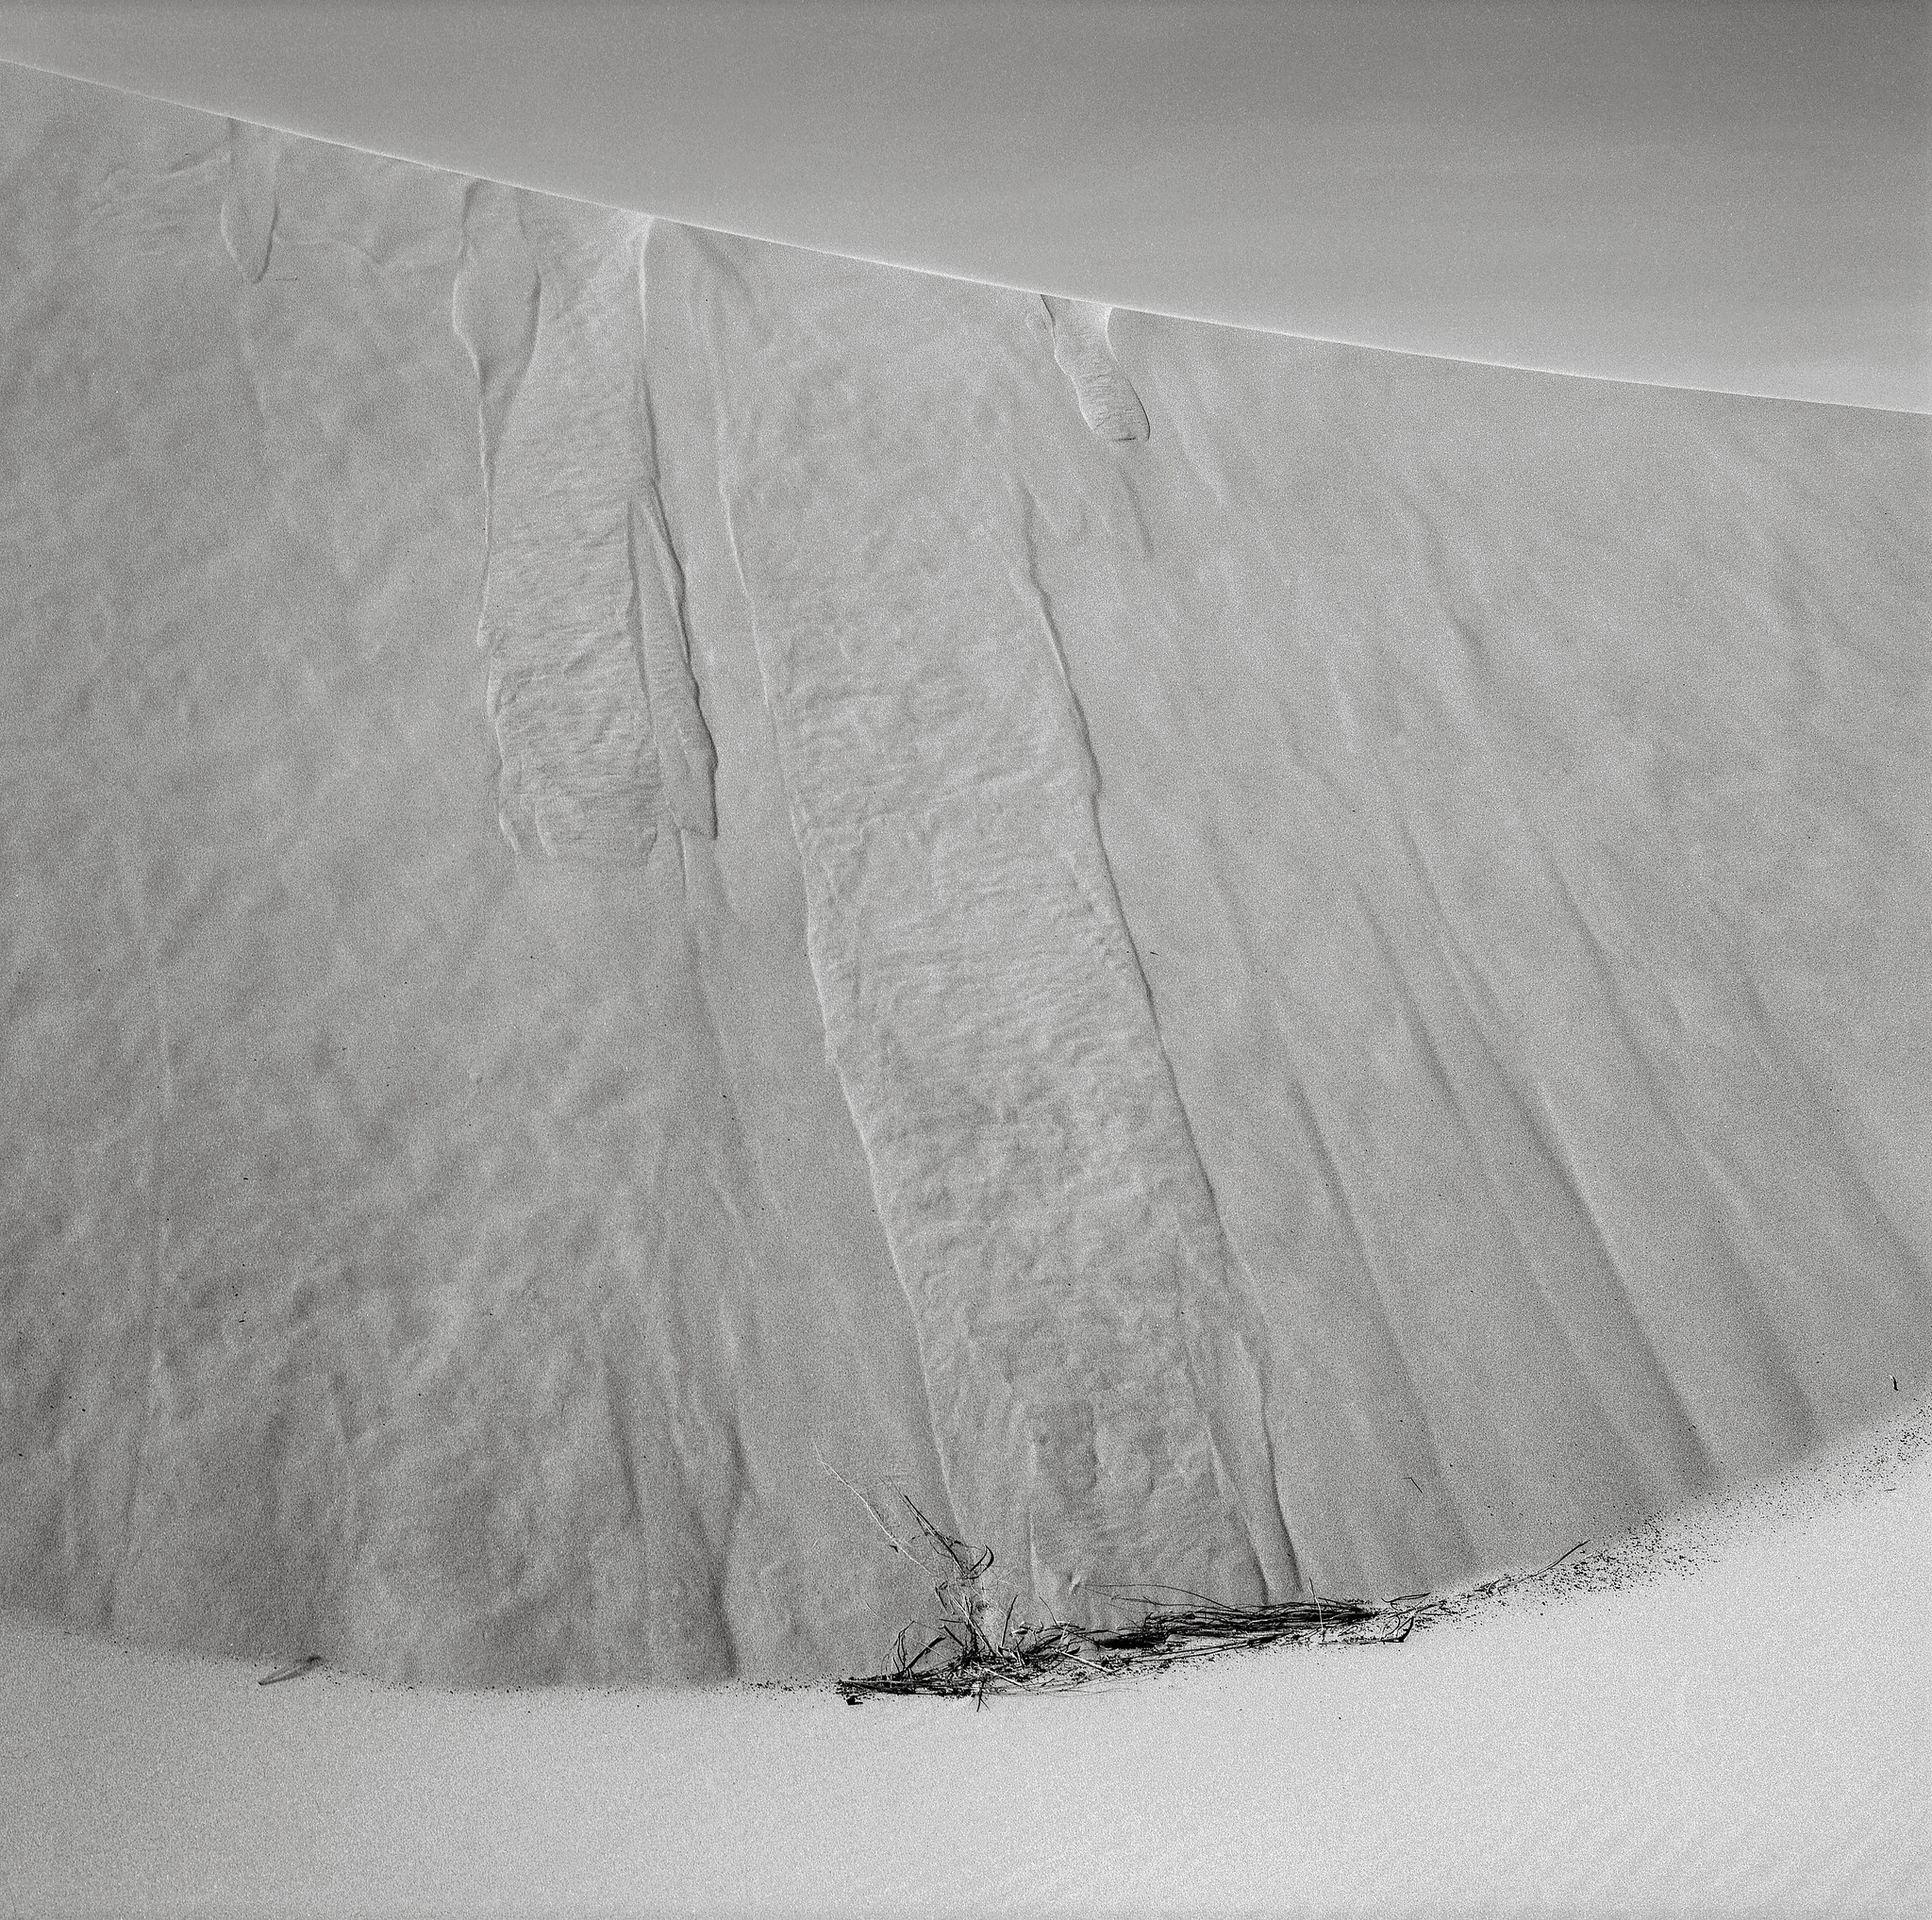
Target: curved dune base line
{"type": "Point", "coordinates": [1741, 1729]}
{"type": "Point", "coordinates": [1307, 984]}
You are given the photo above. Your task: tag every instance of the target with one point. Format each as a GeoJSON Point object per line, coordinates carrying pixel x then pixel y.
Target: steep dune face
{"type": "Point", "coordinates": [1240, 964]}
{"type": "Point", "coordinates": [1516, 784]}
{"type": "Point", "coordinates": [1511, 786]}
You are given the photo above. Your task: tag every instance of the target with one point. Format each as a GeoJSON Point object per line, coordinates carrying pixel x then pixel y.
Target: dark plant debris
{"type": "Point", "coordinates": [978, 1648]}
{"type": "Point", "coordinates": [293, 1671]}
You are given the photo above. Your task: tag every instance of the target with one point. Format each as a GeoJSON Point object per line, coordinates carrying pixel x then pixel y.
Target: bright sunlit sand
{"type": "Point", "coordinates": [1741, 1724]}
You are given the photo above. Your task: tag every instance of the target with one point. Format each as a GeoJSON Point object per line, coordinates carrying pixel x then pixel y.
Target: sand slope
{"type": "Point", "coordinates": [634, 862]}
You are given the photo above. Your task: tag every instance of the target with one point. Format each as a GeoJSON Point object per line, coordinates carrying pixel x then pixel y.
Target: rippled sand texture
{"type": "Point", "coordinates": [635, 865]}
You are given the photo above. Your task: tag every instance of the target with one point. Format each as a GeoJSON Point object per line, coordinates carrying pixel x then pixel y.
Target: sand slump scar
{"type": "Point", "coordinates": [983, 1003]}
{"type": "Point", "coordinates": [249, 202]}
{"type": "Point", "coordinates": [1108, 403]}
{"type": "Point", "coordinates": [599, 734]}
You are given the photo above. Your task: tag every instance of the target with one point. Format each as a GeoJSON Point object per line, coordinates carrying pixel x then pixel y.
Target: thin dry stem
{"type": "Point", "coordinates": [962, 1660]}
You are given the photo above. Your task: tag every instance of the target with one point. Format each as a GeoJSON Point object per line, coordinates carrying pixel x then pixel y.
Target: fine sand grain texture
{"type": "Point", "coordinates": [635, 865]}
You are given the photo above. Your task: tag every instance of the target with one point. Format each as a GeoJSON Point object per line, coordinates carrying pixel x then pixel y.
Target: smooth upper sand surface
{"type": "Point", "coordinates": [1742, 1725]}
{"type": "Point", "coordinates": [644, 870]}
{"type": "Point", "coordinates": [1729, 194]}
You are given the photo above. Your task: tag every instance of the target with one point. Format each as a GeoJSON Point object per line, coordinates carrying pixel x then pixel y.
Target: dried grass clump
{"type": "Point", "coordinates": [977, 1648]}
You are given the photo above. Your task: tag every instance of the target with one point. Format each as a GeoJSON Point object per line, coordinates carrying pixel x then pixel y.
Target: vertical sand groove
{"type": "Point", "coordinates": [687, 756]}
{"type": "Point", "coordinates": [493, 308]}
{"type": "Point", "coordinates": [248, 202]}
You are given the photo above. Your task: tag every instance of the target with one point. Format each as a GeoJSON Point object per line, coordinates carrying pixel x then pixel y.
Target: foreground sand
{"type": "Point", "coordinates": [1745, 1729]}
{"type": "Point", "coordinates": [638, 865]}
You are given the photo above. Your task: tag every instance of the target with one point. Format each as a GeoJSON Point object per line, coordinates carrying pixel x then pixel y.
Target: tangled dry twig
{"type": "Point", "coordinates": [976, 1647]}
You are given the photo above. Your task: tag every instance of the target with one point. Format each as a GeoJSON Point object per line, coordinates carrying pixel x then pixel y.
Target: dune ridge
{"type": "Point", "coordinates": [1724, 197]}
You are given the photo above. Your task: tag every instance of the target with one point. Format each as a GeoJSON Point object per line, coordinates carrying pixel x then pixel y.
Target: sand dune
{"type": "Point", "coordinates": [638, 865]}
